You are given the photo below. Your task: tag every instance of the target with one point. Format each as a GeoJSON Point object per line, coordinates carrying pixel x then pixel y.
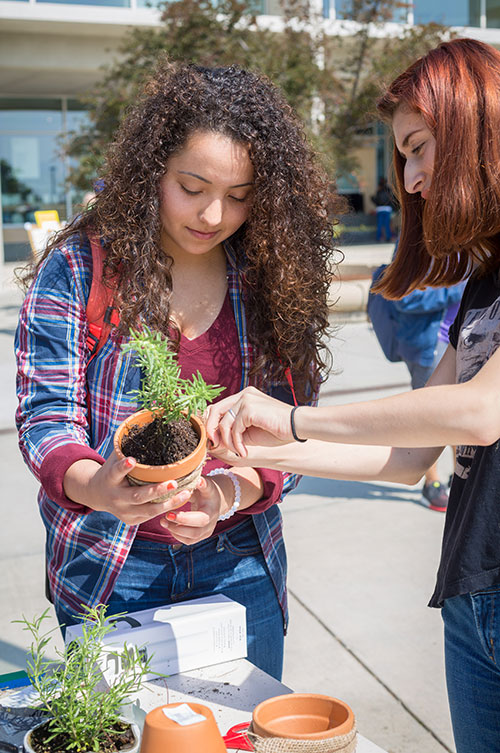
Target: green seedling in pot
{"type": "Point", "coordinates": [163, 391]}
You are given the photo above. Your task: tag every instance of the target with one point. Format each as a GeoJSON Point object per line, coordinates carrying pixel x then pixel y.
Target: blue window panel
{"type": "Point", "coordinates": [493, 14]}
{"type": "Point", "coordinates": [32, 176]}
{"type": "Point", "coordinates": [344, 10]}
{"type": "Point", "coordinates": [30, 114]}
{"type": "Point", "coordinates": [447, 12]}
{"type": "Point", "coordinates": [104, 3]}
{"type": "Point", "coordinates": [32, 171]}
{"type": "Point", "coordinates": [76, 117]}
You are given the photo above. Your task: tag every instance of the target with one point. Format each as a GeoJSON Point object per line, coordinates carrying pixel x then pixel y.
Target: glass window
{"type": "Point", "coordinates": [493, 14]}
{"type": "Point", "coordinates": [75, 115]}
{"type": "Point", "coordinates": [448, 12]}
{"type": "Point", "coordinates": [32, 176]}
{"type": "Point", "coordinates": [273, 7]}
{"type": "Point", "coordinates": [257, 6]}
{"type": "Point", "coordinates": [115, 3]}
{"type": "Point", "coordinates": [30, 114]}
{"type": "Point", "coordinates": [347, 9]}
{"type": "Point", "coordinates": [32, 169]}
{"type": "Point", "coordinates": [347, 183]}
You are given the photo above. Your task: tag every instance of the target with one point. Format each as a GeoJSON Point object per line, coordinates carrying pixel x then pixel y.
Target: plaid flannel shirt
{"type": "Point", "coordinates": [85, 548]}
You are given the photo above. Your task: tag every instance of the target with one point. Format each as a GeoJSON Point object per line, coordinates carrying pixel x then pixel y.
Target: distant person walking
{"type": "Point", "coordinates": [384, 201]}
{"type": "Point", "coordinates": [422, 313]}
{"type": "Point", "coordinates": [412, 325]}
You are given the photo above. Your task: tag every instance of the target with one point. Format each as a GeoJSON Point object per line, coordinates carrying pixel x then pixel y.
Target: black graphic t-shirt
{"type": "Point", "coordinates": [470, 555]}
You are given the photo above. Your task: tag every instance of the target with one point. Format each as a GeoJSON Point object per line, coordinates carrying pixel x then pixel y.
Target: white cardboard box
{"type": "Point", "coordinates": [178, 637]}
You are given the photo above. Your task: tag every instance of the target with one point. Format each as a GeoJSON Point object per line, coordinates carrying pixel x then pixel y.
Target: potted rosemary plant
{"type": "Point", "coordinates": [83, 712]}
{"type": "Point", "coordinates": [167, 437]}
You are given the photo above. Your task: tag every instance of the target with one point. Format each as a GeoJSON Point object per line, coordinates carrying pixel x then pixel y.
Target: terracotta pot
{"type": "Point", "coordinates": [132, 748]}
{"type": "Point", "coordinates": [163, 735]}
{"type": "Point", "coordinates": [147, 474]}
{"type": "Point", "coordinates": [302, 716]}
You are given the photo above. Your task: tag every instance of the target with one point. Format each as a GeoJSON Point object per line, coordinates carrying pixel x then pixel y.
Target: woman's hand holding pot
{"type": "Point", "coordinates": [198, 523]}
{"type": "Point", "coordinates": [105, 488]}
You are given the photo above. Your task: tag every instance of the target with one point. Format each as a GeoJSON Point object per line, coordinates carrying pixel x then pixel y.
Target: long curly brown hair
{"type": "Point", "coordinates": [285, 248]}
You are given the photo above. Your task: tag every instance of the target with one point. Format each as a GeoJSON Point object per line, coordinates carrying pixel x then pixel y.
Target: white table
{"type": "Point", "coordinates": [230, 690]}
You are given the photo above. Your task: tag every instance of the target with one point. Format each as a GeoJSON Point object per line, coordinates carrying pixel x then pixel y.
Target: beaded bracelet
{"type": "Point", "coordinates": [237, 490]}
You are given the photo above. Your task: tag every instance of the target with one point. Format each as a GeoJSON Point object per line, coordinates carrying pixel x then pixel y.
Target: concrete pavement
{"type": "Point", "coordinates": [362, 560]}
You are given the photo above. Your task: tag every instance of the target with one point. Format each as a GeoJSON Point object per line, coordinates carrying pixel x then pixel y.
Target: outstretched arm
{"type": "Point", "coordinates": [439, 414]}
{"type": "Point", "coordinates": [442, 413]}
{"type": "Point", "coordinates": [339, 461]}
{"type": "Point", "coordinates": [372, 439]}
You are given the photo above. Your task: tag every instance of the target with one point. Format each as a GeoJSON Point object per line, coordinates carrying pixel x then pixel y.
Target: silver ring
{"type": "Point", "coordinates": [232, 413]}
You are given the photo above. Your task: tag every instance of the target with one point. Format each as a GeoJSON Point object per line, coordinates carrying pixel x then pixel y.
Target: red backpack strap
{"type": "Point", "coordinates": [101, 313]}
{"type": "Point", "coordinates": [289, 379]}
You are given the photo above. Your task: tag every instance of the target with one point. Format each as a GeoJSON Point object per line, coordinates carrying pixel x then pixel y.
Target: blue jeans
{"type": "Point", "coordinates": [419, 374]}
{"type": "Point", "coordinates": [231, 563]}
{"type": "Point", "coordinates": [384, 225]}
{"type": "Point", "coordinates": [472, 656]}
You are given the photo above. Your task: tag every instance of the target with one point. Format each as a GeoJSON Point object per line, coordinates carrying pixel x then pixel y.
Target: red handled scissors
{"type": "Point", "coordinates": [237, 738]}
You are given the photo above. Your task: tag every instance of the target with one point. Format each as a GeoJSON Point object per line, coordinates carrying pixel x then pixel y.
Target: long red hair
{"type": "Point", "coordinates": [456, 89]}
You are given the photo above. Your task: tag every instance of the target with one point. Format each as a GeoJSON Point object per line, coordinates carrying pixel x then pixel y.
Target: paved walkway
{"type": "Point", "coordinates": [362, 561]}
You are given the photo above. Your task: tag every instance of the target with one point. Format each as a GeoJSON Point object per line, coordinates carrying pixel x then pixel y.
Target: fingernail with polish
{"type": "Point", "coordinates": [171, 516]}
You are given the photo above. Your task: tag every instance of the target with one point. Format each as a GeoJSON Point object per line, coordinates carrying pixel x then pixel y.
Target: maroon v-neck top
{"type": "Point", "coordinates": [216, 355]}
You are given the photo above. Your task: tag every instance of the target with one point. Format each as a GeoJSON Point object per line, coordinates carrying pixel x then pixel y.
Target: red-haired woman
{"type": "Point", "coordinates": [445, 115]}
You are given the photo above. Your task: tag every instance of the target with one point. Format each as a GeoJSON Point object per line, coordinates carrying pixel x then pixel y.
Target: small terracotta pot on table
{"type": "Point", "coordinates": [163, 735]}
{"type": "Point", "coordinates": [309, 721]}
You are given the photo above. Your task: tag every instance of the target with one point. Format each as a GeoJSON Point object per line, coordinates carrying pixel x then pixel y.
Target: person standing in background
{"type": "Point", "coordinates": [420, 321]}
{"type": "Point", "coordinates": [407, 330]}
{"type": "Point", "coordinates": [383, 200]}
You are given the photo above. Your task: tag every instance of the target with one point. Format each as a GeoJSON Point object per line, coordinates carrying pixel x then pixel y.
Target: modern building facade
{"type": "Point", "coordinates": [51, 52]}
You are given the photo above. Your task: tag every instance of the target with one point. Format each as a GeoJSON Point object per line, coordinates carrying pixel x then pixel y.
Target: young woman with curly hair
{"type": "Point", "coordinates": [216, 225]}
{"type": "Point", "coordinates": [445, 116]}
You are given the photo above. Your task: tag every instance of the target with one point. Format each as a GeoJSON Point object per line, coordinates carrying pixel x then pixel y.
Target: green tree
{"type": "Point", "coordinates": [12, 185]}
{"type": "Point", "coordinates": [331, 81]}
{"type": "Point", "coordinates": [202, 31]}
{"type": "Point", "coordinates": [366, 61]}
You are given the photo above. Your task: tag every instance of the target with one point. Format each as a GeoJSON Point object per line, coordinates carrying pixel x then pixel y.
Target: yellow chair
{"type": "Point", "coordinates": [47, 223]}
{"type": "Point", "coordinates": [49, 217]}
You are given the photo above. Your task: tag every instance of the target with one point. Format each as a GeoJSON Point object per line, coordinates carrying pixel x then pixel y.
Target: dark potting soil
{"type": "Point", "coordinates": [160, 443]}
{"type": "Point", "coordinates": [59, 744]}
